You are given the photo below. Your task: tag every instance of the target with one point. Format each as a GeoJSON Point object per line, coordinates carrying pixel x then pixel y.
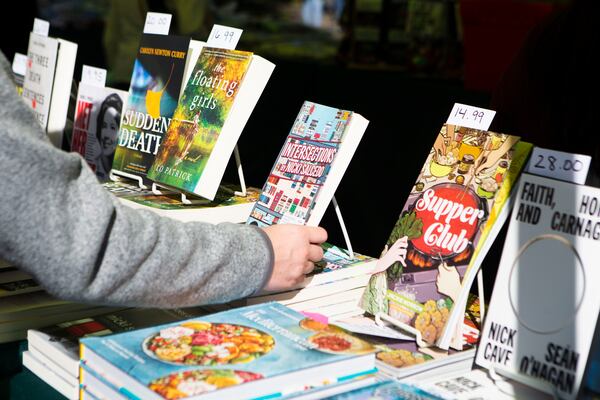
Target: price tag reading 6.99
{"type": "Point", "coordinates": [471, 117]}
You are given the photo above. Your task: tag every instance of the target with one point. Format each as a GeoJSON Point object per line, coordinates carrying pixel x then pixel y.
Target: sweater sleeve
{"type": "Point", "coordinates": [60, 225]}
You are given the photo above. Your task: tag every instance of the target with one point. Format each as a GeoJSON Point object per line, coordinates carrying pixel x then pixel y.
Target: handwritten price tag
{"type": "Point", "coordinates": [41, 27]}
{"type": "Point", "coordinates": [93, 76]}
{"type": "Point", "coordinates": [568, 167]}
{"type": "Point", "coordinates": [157, 23]}
{"type": "Point", "coordinates": [19, 64]}
{"type": "Point", "coordinates": [471, 117]}
{"type": "Point", "coordinates": [224, 37]}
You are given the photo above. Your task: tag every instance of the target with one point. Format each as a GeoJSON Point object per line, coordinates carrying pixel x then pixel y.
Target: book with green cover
{"type": "Point", "coordinates": [202, 129]}
{"type": "Point", "coordinates": [153, 95]}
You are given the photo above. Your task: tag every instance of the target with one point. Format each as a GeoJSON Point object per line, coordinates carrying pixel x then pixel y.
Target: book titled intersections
{"type": "Point", "coordinates": [310, 166]}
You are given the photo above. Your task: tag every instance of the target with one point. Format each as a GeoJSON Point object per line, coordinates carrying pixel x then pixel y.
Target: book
{"type": "Point", "coordinates": [439, 229]}
{"type": "Point", "coordinates": [227, 206]}
{"type": "Point", "coordinates": [15, 282]}
{"type": "Point", "coordinates": [19, 68]}
{"type": "Point", "coordinates": [263, 350]}
{"type": "Point", "coordinates": [96, 126]}
{"type": "Point", "coordinates": [48, 80]}
{"type": "Point", "coordinates": [153, 95]}
{"type": "Point", "coordinates": [60, 342]}
{"type": "Point", "coordinates": [68, 389]}
{"type": "Point", "coordinates": [543, 311]}
{"type": "Point", "coordinates": [385, 390]}
{"type": "Point", "coordinates": [309, 166]}
{"type": "Point", "coordinates": [216, 103]}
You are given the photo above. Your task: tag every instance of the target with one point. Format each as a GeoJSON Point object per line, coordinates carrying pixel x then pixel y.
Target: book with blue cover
{"type": "Point", "coordinates": [261, 351]}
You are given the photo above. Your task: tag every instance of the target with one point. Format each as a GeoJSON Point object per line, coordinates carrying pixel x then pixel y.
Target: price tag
{"type": "Point", "coordinates": [224, 37]}
{"type": "Point", "coordinates": [41, 27]}
{"type": "Point", "coordinates": [157, 23]}
{"type": "Point", "coordinates": [19, 64]}
{"type": "Point", "coordinates": [93, 76]}
{"type": "Point", "coordinates": [471, 117]}
{"type": "Point", "coordinates": [554, 164]}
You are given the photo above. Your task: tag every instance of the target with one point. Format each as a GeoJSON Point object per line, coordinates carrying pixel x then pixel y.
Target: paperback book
{"type": "Point", "coordinates": [227, 206]}
{"type": "Point", "coordinates": [96, 126]}
{"type": "Point", "coordinates": [153, 95]}
{"type": "Point", "coordinates": [217, 101]}
{"type": "Point", "coordinates": [310, 166]}
{"type": "Point", "coordinates": [427, 265]}
{"type": "Point", "coordinates": [48, 80]}
{"type": "Point", "coordinates": [265, 350]}
{"type": "Point", "coordinates": [543, 312]}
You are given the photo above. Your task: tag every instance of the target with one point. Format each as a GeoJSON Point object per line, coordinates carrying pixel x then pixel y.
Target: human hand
{"type": "Point", "coordinates": [395, 253]}
{"type": "Point", "coordinates": [296, 250]}
{"type": "Point", "coordinates": [448, 281]}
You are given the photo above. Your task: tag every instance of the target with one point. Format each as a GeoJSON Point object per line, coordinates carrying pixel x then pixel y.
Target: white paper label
{"type": "Point", "coordinates": [19, 64]}
{"type": "Point", "coordinates": [93, 76]}
{"type": "Point", "coordinates": [157, 23]}
{"type": "Point", "coordinates": [471, 117]}
{"type": "Point", "coordinates": [554, 164]}
{"type": "Point", "coordinates": [41, 27]}
{"type": "Point", "coordinates": [224, 37]}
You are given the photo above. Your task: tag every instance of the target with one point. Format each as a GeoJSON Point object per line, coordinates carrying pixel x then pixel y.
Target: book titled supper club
{"type": "Point", "coordinates": [310, 166]}
{"type": "Point", "coordinates": [431, 255]}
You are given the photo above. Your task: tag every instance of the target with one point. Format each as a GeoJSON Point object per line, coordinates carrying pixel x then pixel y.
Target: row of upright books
{"type": "Point", "coordinates": [408, 314]}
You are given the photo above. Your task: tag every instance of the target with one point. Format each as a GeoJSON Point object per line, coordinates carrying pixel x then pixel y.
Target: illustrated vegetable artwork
{"type": "Point", "coordinates": [373, 299]}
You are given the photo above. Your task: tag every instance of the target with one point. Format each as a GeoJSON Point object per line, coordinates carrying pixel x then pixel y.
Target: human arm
{"type": "Point", "coordinates": [81, 243]}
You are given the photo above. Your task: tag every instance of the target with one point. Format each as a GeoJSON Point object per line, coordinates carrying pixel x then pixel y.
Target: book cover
{"type": "Point", "coordinates": [386, 390]}
{"type": "Point", "coordinates": [261, 350]}
{"type": "Point", "coordinates": [439, 229]}
{"type": "Point", "coordinates": [60, 342]}
{"type": "Point", "coordinates": [96, 126]}
{"type": "Point", "coordinates": [153, 95]}
{"type": "Point", "coordinates": [199, 118]}
{"type": "Point", "coordinates": [42, 53]}
{"type": "Point", "coordinates": [295, 185]}
{"type": "Point", "coordinates": [543, 311]}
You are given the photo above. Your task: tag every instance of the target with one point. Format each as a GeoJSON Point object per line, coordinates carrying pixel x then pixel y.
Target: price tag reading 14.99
{"type": "Point", "coordinates": [224, 37]}
{"type": "Point", "coordinates": [471, 117]}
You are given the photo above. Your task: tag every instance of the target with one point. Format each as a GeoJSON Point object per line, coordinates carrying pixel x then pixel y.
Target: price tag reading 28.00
{"type": "Point", "coordinates": [471, 117]}
{"type": "Point", "coordinates": [224, 37]}
{"type": "Point", "coordinates": [568, 167]}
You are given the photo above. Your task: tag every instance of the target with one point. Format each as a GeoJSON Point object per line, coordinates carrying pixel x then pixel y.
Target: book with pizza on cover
{"type": "Point", "coordinates": [440, 227]}
{"type": "Point", "coordinates": [218, 99]}
{"type": "Point", "coordinates": [96, 126]}
{"type": "Point", "coordinates": [153, 95]}
{"type": "Point", "coordinates": [262, 351]}
{"type": "Point", "coordinates": [310, 166]}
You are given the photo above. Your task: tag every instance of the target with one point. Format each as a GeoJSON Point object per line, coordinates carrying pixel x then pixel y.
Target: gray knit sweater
{"type": "Point", "coordinates": [59, 224]}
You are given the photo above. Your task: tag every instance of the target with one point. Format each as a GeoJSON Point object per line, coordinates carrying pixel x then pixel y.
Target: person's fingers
{"type": "Point", "coordinates": [401, 259]}
{"type": "Point", "coordinates": [308, 267]}
{"type": "Point", "coordinates": [316, 234]}
{"type": "Point", "coordinates": [315, 253]}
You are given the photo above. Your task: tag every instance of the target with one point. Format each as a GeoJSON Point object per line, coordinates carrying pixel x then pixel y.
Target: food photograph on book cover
{"type": "Point", "coordinates": [301, 168]}
{"type": "Point", "coordinates": [205, 354]}
{"type": "Point", "coordinates": [418, 276]}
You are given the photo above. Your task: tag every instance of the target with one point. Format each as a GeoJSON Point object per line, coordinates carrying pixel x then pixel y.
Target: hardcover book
{"type": "Point", "coordinates": [96, 126]}
{"type": "Point", "coordinates": [543, 312]}
{"type": "Point", "coordinates": [310, 166]}
{"type": "Point", "coordinates": [153, 95]}
{"type": "Point", "coordinates": [218, 99]}
{"type": "Point", "coordinates": [264, 350]}
{"type": "Point", "coordinates": [47, 82]}
{"type": "Point", "coordinates": [427, 264]}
